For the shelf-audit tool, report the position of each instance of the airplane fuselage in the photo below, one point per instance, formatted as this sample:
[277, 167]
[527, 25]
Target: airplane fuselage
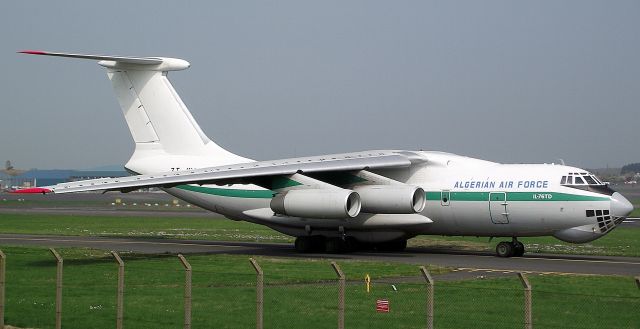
[464, 196]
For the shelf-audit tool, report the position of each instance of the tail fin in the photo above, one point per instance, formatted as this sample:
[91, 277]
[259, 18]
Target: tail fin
[160, 124]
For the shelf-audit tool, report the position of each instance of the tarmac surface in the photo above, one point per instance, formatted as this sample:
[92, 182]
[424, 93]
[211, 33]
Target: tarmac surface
[460, 260]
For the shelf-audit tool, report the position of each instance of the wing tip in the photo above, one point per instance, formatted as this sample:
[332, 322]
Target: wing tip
[32, 52]
[32, 190]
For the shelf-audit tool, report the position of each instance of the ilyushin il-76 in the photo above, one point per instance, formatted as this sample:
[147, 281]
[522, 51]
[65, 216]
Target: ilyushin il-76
[339, 202]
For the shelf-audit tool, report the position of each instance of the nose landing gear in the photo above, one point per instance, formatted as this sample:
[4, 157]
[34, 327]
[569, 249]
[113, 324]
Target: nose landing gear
[510, 249]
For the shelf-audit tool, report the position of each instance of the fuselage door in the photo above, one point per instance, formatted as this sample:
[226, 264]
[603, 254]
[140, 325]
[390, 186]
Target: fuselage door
[445, 198]
[498, 207]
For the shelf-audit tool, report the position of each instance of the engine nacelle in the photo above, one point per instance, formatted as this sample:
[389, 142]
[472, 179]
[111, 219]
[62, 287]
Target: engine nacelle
[329, 204]
[391, 199]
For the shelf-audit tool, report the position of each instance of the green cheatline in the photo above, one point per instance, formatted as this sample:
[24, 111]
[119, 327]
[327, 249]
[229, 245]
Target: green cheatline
[453, 196]
[280, 182]
[253, 194]
[516, 196]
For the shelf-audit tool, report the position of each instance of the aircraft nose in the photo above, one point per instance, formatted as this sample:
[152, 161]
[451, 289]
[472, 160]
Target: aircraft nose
[620, 206]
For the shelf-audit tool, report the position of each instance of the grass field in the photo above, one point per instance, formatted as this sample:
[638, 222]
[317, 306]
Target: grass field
[171, 227]
[636, 209]
[163, 204]
[621, 242]
[298, 294]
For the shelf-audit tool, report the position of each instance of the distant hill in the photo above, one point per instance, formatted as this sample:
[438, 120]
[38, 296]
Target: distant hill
[631, 168]
[55, 176]
[606, 172]
[66, 173]
[105, 168]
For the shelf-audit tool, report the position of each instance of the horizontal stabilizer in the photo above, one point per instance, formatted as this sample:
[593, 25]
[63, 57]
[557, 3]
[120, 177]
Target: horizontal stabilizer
[125, 62]
[121, 59]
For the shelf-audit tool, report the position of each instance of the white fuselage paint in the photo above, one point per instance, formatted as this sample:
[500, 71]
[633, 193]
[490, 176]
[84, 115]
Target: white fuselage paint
[527, 200]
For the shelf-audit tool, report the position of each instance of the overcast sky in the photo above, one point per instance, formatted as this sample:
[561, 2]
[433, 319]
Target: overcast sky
[508, 81]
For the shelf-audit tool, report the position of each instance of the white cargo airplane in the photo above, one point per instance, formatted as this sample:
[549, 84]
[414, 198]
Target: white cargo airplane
[336, 202]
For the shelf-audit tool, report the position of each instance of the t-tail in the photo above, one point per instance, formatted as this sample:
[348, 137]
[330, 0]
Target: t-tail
[164, 131]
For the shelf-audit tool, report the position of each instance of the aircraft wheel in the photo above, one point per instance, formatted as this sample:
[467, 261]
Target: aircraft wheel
[395, 245]
[399, 245]
[334, 246]
[505, 249]
[351, 244]
[518, 249]
[304, 244]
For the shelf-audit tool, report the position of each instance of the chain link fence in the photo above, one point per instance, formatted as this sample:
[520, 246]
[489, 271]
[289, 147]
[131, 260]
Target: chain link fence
[219, 291]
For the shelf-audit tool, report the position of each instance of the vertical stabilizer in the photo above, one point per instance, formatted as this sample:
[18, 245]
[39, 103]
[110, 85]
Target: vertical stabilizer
[155, 113]
[164, 131]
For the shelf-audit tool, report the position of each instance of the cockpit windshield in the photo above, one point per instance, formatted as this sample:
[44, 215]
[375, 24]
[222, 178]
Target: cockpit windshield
[580, 178]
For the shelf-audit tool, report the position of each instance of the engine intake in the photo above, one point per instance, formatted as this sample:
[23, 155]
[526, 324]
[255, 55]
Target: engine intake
[328, 204]
[391, 199]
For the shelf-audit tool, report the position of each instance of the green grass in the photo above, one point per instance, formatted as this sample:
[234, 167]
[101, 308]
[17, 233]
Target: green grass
[157, 227]
[620, 242]
[49, 203]
[636, 210]
[223, 289]
[299, 293]
[139, 205]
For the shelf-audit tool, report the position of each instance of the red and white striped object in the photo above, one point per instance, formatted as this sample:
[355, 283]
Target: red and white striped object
[382, 305]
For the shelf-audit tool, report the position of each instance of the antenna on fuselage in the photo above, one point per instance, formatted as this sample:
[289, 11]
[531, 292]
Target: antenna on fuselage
[561, 161]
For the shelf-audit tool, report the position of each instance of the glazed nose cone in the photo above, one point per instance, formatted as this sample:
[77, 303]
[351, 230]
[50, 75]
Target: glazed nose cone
[620, 206]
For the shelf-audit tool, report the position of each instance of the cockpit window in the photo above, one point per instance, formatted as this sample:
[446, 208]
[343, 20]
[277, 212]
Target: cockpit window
[590, 180]
[582, 178]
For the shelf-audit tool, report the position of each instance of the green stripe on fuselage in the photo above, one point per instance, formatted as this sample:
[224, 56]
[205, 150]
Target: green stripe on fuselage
[432, 196]
[252, 194]
[516, 196]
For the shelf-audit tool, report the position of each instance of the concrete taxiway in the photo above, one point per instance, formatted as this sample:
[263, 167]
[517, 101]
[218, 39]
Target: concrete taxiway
[467, 261]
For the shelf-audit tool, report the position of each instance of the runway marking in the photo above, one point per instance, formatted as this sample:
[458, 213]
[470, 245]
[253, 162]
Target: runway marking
[123, 242]
[562, 259]
[582, 260]
[503, 271]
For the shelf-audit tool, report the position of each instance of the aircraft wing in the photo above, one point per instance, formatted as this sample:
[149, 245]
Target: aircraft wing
[243, 173]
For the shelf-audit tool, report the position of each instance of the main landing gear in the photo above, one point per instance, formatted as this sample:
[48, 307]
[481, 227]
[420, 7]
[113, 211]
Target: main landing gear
[514, 248]
[309, 244]
[315, 243]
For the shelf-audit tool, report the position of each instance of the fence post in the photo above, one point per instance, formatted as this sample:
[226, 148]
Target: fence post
[120, 298]
[429, 279]
[58, 288]
[3, 262]
[259, 293]
[341, 283]
[528, 323]
[187, 292]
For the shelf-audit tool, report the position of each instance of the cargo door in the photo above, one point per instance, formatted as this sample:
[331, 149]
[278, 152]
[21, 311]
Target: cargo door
[498, 207]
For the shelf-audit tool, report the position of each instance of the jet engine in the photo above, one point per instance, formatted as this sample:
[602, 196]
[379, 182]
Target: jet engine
[391, 199]
[317, 203]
